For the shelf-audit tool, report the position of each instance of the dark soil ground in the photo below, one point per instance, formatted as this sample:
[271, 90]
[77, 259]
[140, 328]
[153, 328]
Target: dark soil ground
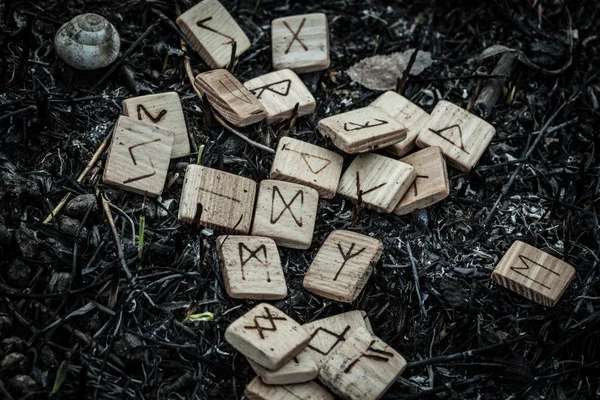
[56, 279]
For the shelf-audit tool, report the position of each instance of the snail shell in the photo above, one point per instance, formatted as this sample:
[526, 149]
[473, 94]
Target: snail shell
[87, 42]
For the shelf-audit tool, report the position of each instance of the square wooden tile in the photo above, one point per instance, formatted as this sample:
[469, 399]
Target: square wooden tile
[301, 368]
[164, 110]
[327, 334]
[279, 92]
[430, 186]
[138, 158]
[362, 130]
[533, 274]
[212, 31]
[256, 390]
[406, 113]
[362, 368]
[230, 98]
[380, 181]
[251, 268]
[343, 265]
[267, 336]
[217, 200]
[462, 136]
[307, 164]
[300, 42]
[286, 212]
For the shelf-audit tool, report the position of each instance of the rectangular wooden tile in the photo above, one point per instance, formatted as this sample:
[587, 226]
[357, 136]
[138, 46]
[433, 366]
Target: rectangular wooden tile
[256, 390]
[362, 368]
[343, 265]
[230, 98]
[251, 268]
[138, 158]
[430, 186]
[279, 92]
[462, 136]
[300, 42]
[307, 164]
[379, 181]
[301, 368]
[267, 336]
[286, 212]
[212, 31]
[164, 110]
[533, 274]
[217, 200]
[361, 130]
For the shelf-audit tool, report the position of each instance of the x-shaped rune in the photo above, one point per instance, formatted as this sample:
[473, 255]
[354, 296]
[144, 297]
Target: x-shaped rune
[269, 318]
[295, 38]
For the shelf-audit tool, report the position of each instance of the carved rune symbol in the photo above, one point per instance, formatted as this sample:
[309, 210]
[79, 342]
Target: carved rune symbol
[414, 184]
[133, 159]
[283, 89]
[314, 163]
[338, 339]
[202, 25]
[347, 256]
[373, 354]
[287, 206]
[366, 125]
[460, 144]
[219, 194]
[295, 37]
[360, 193]
[235, 91]
[141, 108]
[268, 317]
[527, 267]
[254, 255]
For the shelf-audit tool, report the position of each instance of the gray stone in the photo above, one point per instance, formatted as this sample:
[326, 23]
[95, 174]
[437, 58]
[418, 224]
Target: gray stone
[13, 363]
[60, 282]
[17, 273]
[12, 344]
[22, 384]
[71, 227]
[48, 358]
[27, 243]
[6, 326]
[79, 205]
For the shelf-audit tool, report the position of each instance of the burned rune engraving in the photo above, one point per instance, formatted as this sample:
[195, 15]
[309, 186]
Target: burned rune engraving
[236, 92]
[366, 125]
[338, 339]
[295, 37]
[347, 256]
[202, 25]
[154, 119]
[527, 267]
[254, 255]
[268, 317]
[414, 184]
[219, 194]
[460, 136]
[360, 193]
[287, 206]
[371, 353]
[133, 159]
[272, 87]
[314, 163]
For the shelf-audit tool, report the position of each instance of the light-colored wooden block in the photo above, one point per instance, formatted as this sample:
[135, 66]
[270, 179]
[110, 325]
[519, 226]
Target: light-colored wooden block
[230, 98]
[343, 266]
[301, 368]
[406, 113]
[307, 164]
[212, 31]
[251, 268]
[462, 136]
[362, 130]
[327, 334]
[256, 390]
[267, 336]
[279, 92]
[380, 182]
[300, 43]
[139, 155]
[362, 368]
[286, 212]
[431, 184]
[533, 274]
[164, 110]
[217, 200]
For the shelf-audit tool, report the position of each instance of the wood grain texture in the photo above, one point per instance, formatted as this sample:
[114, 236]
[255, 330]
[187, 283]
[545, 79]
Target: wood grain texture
[164, 110]
[462, 136]
[301, 368]
[267, 336]
[256, 390]
[431, 185]
[230, 98]
[300, 43]
[279, 92]
[224, 201]
[361, 130]
[379, 181]
[304, 163]
[212, 30]
[533, 274]
[343, 265]
[138, 157]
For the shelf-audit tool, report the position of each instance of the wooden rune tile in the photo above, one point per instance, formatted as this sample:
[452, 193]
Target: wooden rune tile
[164, 110]
[379, 181]
[362, 368]
[256, 390]
[462, 136]
[343, 265]
[251, 268]
[279, 92]
[431, 184]
[267, 336]
[138, 158]
[300, 43]
[533, 274]
[301, 368]
[327, 334]
[362, 130]
[212, 32]
[230, 98]
[406, 113]
[307, 164]
[286, 212]
[217, 200]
